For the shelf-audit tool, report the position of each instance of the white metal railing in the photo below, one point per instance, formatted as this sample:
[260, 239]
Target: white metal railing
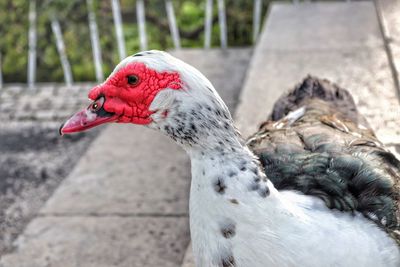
[140, 14]
[1, 74]
[118, 28]
[141, 21]
[208, 24]
[256, 19]
[172, 24]
[222, 24]
[94, 38]
[32, 45]
[55, 26]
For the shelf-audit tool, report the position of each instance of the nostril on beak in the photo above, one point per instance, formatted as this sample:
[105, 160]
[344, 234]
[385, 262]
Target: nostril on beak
[60, 129]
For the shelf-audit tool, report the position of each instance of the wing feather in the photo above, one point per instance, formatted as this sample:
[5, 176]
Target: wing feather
[330, 152]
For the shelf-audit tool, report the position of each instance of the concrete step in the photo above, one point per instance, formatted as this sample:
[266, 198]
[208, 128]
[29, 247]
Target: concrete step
[48, 102]
[125, 202]
[336, 40]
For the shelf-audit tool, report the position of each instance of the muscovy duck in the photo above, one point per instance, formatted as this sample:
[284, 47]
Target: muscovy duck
[313, 187]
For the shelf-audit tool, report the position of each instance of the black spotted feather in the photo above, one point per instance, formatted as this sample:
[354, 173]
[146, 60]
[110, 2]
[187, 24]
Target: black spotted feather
[330, 152]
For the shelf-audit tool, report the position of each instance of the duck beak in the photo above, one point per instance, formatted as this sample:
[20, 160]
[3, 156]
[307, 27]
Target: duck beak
[86, 119]
[83, 121]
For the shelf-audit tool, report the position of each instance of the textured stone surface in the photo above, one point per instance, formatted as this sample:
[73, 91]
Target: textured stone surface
[48, 102]
[131, 182]
[33, 161]
[129, 170]
[101, 242]
[322, 26]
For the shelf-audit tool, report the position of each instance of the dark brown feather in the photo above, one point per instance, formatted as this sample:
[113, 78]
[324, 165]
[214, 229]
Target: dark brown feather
[330, 152]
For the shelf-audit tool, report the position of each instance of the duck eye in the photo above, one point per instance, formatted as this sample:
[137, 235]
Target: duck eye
[96, 105]
[133, 79]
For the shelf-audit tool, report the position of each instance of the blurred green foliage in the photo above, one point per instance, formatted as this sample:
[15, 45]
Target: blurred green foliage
[73, 18]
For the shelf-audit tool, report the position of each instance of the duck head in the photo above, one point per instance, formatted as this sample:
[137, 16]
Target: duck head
[155, 89]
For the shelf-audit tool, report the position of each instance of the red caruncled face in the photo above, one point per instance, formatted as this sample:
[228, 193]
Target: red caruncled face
[124, 97]
[130, 91]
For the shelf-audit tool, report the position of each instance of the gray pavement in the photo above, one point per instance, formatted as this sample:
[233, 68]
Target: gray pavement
[125, 203]
[46, 103]
[33, 159]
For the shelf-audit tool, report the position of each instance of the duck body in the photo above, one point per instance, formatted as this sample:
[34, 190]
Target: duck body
[287, 229]
[313, 187]
[318, 217]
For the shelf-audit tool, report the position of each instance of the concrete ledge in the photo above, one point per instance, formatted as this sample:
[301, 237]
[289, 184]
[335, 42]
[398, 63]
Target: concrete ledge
[122, 174]
[321, 26]
[80, 241]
